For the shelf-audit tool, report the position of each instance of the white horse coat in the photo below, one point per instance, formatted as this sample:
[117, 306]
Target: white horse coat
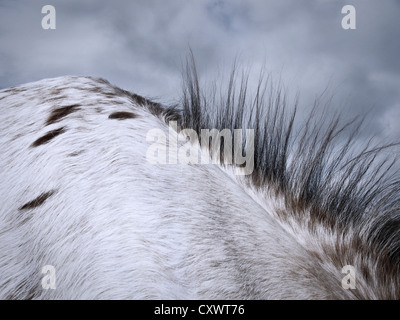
[78, 193]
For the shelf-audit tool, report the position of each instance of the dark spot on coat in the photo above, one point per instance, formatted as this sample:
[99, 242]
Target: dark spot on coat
[76, 153]
[122, 115]
[47, 137]
[59, 113]
[38, 201]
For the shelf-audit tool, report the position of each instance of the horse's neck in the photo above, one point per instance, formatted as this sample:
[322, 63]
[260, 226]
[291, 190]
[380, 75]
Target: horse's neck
[248, 248]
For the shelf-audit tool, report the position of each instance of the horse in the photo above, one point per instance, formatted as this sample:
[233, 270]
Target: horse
[103, 196]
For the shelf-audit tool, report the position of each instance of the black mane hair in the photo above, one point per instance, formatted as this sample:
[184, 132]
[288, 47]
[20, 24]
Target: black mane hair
[314, 168]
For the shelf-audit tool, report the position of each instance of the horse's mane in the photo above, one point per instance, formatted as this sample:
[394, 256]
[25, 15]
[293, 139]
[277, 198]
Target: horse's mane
[314, 166]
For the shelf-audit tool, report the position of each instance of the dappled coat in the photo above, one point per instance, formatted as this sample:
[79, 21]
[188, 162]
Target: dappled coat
[95, 205]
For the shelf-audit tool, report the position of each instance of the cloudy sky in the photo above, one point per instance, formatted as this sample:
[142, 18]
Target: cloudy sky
[141, 45]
